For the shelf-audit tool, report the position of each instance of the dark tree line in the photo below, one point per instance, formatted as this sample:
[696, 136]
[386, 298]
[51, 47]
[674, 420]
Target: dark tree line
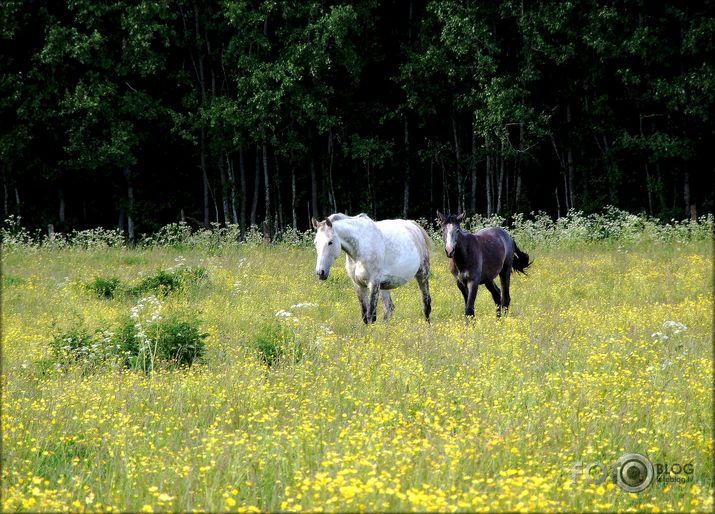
[138, 113]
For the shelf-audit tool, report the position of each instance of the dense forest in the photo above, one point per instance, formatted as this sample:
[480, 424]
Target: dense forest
[134, 114]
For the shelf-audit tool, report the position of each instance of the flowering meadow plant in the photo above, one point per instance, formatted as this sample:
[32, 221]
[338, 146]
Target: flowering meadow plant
[290, 403]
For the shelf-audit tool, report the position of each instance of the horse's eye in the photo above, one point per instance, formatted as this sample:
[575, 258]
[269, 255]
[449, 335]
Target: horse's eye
[330, 242]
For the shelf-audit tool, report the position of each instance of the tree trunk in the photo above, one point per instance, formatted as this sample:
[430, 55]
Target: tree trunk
[293, 198]
[500, 178]
[507, 206]
[130, 203]
[473, 173]
[313, 187]
[224, 191]
[569, 160]
[458, 156]
[446, 207]
[233, 192]
[370, 189]
[202, 140]
[267, 185]
[279, 196]
[212, 190]
[204, 176]
[406, 186]
[331, 194]
[431, 184]
[489, 181]
[5, 195]
[566, 193]
[517, 185]
[121, 219]
[18, 210]
[61, 213]
[558, 204]
[242, 178]
[661, 189]
[686, 193]
[256, 184]
[517, 196]
[648, 189]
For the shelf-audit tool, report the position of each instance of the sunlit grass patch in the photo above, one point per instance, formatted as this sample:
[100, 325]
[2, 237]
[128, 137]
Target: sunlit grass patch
[295, 404]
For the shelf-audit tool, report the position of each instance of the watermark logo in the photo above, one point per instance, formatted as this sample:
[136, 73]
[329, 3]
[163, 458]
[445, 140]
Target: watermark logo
[633, 472]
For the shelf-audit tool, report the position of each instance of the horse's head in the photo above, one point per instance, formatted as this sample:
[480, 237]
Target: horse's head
[450, 231]
[327, 244]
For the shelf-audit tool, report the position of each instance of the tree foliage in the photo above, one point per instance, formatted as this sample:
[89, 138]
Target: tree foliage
[229, 111]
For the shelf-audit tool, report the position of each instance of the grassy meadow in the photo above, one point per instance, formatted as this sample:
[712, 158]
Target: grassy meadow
[607, 349]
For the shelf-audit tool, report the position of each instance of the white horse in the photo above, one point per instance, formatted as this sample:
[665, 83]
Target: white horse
[381, 256]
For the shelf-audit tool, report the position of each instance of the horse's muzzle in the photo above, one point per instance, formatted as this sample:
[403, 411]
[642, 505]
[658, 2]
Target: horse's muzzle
[322, 274]
[449, 254]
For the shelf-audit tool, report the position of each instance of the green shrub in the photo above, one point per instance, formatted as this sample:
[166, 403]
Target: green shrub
[77, 344]
[142, 340]
[174, 340]
[274, 343]
[166, 281]
[103, 287]
[11, 280]
[162, 282]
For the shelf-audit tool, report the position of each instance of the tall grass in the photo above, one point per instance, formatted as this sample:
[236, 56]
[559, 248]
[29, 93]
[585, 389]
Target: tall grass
[297, 405]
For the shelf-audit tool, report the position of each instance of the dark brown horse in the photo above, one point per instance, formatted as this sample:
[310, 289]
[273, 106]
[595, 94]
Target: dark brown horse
[478, 258]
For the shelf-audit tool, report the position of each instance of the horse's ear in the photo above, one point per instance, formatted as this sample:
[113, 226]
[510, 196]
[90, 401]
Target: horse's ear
[440, 216]
[315, 223]
[461, 217]
[328, 222]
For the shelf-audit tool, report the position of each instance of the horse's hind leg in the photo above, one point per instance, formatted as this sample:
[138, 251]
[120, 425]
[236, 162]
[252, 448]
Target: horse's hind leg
[363, 298]
[496, 295]
[422, 277]
[374, 290]
[387, 305]
[472, 287]
[504, 278]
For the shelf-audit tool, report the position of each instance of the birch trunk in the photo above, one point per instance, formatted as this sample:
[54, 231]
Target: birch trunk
[279, 196]
[242, 179]
[256, 184]
[473, 173]
[293, 198]
[224, 191]
[500, 178]
[61, 213]
[458, 155]
[489, 181]
[267, 185]
[313, 187]
[130, 203]
[233, 192]
[406, 187]
[569, 160]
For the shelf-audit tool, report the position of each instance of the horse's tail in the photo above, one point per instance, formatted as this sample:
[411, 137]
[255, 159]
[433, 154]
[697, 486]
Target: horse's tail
[521, 260]
[427, 241]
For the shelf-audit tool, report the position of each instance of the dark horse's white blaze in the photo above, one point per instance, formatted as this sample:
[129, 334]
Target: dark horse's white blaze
[381, 256]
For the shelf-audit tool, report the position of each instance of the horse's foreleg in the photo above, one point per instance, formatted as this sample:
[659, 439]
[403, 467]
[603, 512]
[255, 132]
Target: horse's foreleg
[496, 295]
[472, 287]
[463, 288]
[423, 281]
[387, 306]
[374, 290]
[504, 278]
